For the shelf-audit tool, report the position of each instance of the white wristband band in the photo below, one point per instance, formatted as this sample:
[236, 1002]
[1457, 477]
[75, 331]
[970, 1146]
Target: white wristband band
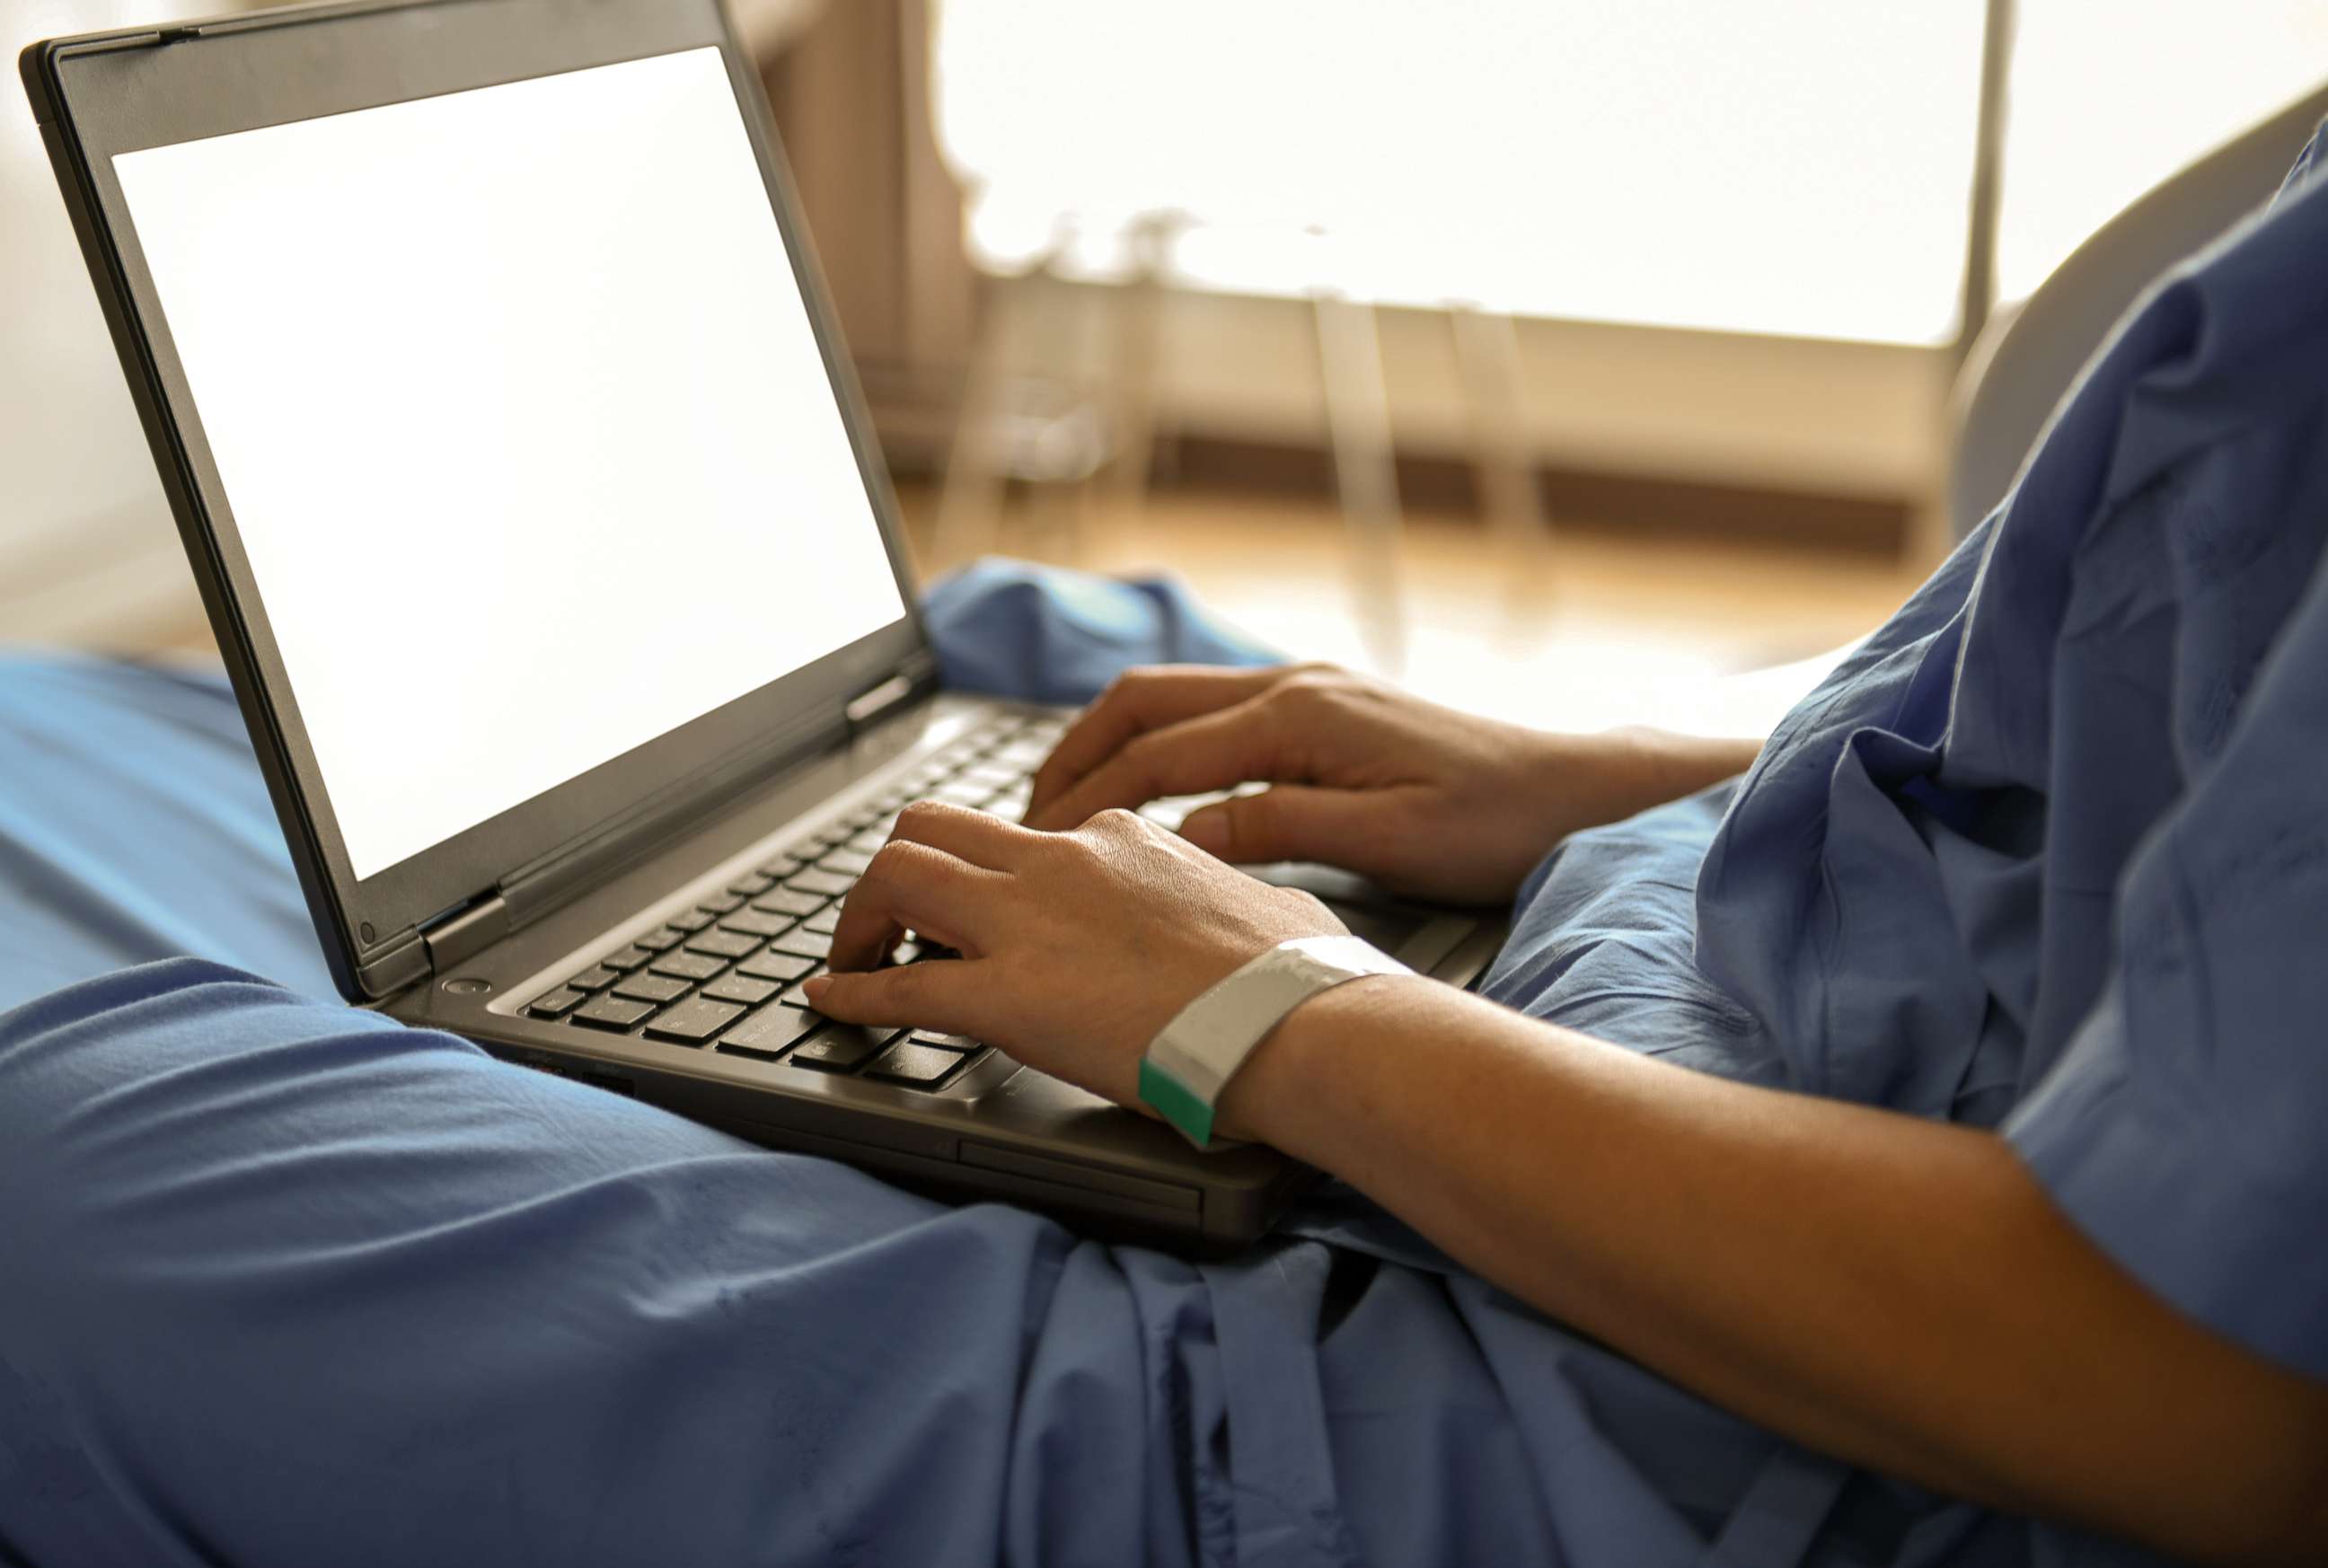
[1193, 1057]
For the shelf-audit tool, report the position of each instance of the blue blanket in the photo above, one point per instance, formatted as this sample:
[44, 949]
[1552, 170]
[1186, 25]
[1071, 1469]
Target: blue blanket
[291, 1283]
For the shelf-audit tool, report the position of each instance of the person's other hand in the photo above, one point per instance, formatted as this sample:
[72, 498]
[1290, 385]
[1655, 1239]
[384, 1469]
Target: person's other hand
[1076, 948]
[1424, 799]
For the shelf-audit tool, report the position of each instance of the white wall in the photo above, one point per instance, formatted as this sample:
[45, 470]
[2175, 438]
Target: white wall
[87, 551]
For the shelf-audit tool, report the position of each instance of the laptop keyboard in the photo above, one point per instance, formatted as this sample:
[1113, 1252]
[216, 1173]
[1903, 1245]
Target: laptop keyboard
[725, 976]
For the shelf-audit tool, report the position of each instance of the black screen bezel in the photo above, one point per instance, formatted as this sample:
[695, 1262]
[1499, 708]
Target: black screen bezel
[123, 91]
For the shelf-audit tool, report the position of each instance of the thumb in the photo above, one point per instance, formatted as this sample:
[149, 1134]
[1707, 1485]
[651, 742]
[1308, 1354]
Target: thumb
[1283, 822]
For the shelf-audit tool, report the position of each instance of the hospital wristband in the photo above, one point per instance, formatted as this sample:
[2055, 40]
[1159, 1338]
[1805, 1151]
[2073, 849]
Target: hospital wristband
[1193, 1057]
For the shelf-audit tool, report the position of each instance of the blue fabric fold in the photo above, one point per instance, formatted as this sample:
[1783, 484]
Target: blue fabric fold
[1040, 633]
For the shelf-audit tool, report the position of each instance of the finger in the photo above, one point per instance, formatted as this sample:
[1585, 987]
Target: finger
[913, 887]
[941, 994]
[1289, 822]
[979, 838]
[1138, 701]
[1215, 751]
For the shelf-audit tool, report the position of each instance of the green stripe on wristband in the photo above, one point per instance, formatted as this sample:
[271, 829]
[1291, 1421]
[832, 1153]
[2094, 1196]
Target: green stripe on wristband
[1176, 1102]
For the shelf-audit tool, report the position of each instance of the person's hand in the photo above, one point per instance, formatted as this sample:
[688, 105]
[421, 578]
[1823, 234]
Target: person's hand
[1422, 799]
[1076, 948]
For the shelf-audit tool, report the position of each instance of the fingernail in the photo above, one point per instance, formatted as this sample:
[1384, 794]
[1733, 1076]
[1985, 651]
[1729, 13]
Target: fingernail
[1206, 831]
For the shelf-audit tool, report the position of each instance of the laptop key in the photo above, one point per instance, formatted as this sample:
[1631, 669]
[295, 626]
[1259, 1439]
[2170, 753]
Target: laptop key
[757, 923]
[914, 1063]
[689, 965]
[725, 943]
[693, 1021]
[655, 987]
[741, 988]
[690, 920]
[847, 862]
[831, 884]
[778, 966]
[610, 1012]
[824, 921]
[626, 958]
[789, 901]
[769, 1033]
[720, 903]
[951, 1042]
[662, 939]
[840, 1048]
[751, 887]
[780, 867]
[807, 944]
[597, 977]
[556, 1004]
[796, 994]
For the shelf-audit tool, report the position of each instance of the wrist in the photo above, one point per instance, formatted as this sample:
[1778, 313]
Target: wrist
[1668, 765]
[1275, 1097]
[1589, 780]
[1208, 1045]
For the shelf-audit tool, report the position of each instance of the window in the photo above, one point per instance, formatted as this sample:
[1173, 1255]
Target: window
[1797, 166]
[2109, 97]
[1801, 166]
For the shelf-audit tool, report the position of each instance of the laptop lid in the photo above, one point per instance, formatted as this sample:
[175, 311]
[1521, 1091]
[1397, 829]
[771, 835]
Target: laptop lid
[513, 442]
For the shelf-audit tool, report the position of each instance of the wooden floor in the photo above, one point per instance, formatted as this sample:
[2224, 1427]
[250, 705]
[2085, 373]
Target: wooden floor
[1600, 626]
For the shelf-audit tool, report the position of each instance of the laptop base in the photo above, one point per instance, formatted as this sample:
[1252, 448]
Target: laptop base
[994, 1130]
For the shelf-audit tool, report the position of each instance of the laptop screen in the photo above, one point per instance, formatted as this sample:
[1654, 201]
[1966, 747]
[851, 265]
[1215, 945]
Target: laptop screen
[516, 386]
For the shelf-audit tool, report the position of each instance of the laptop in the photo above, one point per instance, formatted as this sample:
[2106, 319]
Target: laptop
[544, 535]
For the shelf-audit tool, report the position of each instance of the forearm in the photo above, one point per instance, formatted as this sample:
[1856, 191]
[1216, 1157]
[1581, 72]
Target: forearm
[1895, 1292]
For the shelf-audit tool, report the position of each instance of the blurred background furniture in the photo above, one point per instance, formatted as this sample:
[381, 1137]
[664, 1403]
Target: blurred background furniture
[1720, 350]
[2029, 353]
[1051, 424]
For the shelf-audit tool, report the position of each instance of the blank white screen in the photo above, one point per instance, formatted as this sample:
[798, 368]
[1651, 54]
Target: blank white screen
[527, 436]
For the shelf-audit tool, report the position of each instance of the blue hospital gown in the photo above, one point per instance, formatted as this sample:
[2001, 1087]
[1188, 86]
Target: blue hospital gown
[286, 1283]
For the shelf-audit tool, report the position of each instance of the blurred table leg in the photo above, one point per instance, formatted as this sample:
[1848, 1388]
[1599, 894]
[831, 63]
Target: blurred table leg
[1503, 454]
[1365, 473]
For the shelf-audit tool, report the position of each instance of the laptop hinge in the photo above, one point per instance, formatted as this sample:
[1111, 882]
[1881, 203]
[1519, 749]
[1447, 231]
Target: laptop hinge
[868, 706]
[395, 964]
[463, 934]
[917, 675]
[532, 890]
